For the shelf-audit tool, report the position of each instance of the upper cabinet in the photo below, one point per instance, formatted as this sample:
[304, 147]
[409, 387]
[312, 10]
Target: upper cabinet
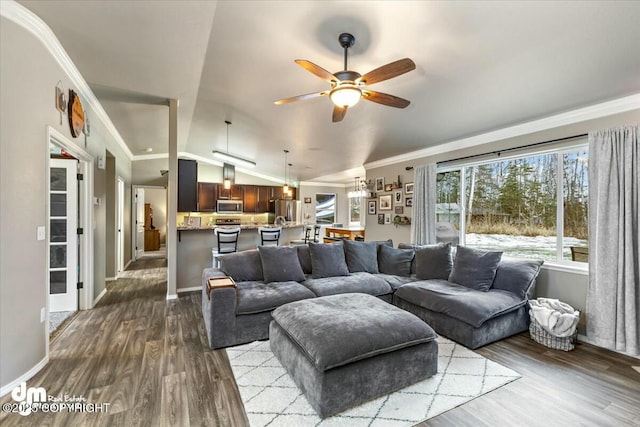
[207, 196]
[187, 185]
[234, 193]
[250, 198]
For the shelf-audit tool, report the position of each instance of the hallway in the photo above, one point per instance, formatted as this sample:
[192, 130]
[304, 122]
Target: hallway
[146, 357]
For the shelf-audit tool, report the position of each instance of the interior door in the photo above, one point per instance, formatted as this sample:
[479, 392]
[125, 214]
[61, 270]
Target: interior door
[139, 222]
[120, 243]
[63, 237]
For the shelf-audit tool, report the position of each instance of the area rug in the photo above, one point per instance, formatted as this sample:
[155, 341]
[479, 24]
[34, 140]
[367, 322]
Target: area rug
[272, 399]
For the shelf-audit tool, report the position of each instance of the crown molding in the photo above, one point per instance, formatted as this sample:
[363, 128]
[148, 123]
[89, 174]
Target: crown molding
[322, 184]
[608, 108]
[23, 17]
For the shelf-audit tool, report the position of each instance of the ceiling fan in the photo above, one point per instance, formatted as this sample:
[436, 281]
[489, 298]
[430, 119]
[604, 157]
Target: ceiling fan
[347, 87]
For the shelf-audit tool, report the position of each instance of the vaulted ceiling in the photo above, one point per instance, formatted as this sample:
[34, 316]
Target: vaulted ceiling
[481, 66]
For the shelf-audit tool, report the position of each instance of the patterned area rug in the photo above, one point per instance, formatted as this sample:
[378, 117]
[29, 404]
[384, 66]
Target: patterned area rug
[271, 398]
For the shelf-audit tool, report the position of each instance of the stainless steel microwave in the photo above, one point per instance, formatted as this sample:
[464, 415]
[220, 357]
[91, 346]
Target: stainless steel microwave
[229, 206]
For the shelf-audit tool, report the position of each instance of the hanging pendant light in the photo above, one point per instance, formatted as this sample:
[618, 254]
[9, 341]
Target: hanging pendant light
[226, 167]
[285, 187]
[289, 189]
[231, 158]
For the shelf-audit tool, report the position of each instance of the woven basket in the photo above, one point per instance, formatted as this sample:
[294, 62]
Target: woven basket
[539, 335]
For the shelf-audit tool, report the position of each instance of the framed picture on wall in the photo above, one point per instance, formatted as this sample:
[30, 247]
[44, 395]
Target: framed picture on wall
[408, 188]
[380, 184]
[388, 187]
[398, 209]
[408, 202]
[397, 197]
[371, 207]
[307, 199]
[384, 203]
[381, 219]
[387, 218]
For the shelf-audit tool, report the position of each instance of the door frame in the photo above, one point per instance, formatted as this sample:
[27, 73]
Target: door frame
[121, 190]
[134, 212]
[85, 218]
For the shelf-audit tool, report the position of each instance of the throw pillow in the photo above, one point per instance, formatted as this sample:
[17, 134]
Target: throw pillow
[517, 275]
[410, 246]
[305, 258]
[433, 261]
[395, 261]
[327, 260]
[280, 264]
[243, 266]
[361, 256]
[474, 268]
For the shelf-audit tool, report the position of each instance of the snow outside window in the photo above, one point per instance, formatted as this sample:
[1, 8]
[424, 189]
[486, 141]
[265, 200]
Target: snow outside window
[530, 207]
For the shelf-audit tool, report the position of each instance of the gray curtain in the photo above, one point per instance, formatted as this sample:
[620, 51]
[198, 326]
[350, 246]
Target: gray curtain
[423, 224]
[613, 298]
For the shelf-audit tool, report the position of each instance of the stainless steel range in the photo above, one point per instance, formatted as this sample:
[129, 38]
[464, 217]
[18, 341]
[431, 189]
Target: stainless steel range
[228, 221]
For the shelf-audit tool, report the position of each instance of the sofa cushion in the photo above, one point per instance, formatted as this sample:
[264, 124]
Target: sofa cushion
[410, 246]
[433, 261]
[327, 260]
[365, 283]
[361, 256]
[280, 264]
[460, 302]
[396, 281]
[242, 266]
[474, 268]
[341, 329]
[258, 297]
[304, 256]
[395, 261]
[516, 275]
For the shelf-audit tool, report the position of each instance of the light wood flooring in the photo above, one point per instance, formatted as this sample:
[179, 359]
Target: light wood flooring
[149, 359]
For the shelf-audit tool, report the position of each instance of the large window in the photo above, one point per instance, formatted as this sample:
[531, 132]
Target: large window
[354, 210]
[532, 207]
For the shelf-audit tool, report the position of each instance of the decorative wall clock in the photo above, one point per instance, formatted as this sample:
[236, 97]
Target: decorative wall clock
[76, 114]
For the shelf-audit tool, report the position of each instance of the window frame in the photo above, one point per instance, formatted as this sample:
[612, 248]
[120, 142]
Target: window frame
[559, 263]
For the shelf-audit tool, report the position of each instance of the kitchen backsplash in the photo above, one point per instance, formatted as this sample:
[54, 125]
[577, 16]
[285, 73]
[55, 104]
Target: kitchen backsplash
[209, 219]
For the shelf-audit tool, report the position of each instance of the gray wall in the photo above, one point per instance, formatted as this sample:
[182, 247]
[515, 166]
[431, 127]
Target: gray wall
[342, 202]
[27, 80]
[552, 283]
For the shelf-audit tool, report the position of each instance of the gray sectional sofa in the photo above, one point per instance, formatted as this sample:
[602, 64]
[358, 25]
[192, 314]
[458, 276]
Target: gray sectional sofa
[475, 299]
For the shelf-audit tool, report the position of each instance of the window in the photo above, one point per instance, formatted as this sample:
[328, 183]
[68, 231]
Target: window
[325, 208]
[519, 206]
[354, 210]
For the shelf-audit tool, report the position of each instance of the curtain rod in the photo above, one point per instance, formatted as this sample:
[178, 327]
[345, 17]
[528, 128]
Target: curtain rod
[498, 152]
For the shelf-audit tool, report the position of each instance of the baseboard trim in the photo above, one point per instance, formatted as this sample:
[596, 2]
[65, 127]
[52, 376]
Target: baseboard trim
[25, 377]
[127, 265]
[584, 339]
[172, 296]
[192, 289]
[110, 279]
[99, 297]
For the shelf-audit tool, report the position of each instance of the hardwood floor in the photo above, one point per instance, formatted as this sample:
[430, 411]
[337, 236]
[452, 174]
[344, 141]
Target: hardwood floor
[149, 359]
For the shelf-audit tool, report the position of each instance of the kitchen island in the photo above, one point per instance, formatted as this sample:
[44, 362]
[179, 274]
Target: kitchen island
[195, 245]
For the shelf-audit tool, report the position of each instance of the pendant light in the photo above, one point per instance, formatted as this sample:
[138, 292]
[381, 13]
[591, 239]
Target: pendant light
[231, 158]
[227, 180]
[290, 190]
[285, 187]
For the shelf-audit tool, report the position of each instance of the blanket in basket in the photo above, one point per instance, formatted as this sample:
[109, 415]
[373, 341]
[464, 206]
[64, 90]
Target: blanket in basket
[555, 317]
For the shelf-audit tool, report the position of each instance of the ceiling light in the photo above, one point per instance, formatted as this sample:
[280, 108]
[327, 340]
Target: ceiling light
[230, 157]
[345, 95]
[289, 190]
[359, 189]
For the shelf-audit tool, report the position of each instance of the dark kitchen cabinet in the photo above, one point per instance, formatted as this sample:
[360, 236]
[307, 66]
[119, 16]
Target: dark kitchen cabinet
[207, 196]
[250, 198]
[235, 193]
[264, 197]
[187, 185]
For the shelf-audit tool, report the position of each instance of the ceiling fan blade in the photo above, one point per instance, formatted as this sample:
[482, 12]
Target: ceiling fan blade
[385, 99]
[388, 71]
[338, 113]
[301, 97]
[316, 69]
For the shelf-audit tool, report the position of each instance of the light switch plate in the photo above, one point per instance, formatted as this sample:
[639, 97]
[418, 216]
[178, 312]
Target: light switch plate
[42, 315]
[41, 232]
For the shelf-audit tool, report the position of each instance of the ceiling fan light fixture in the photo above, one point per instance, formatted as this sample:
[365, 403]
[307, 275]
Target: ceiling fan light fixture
[345, 95]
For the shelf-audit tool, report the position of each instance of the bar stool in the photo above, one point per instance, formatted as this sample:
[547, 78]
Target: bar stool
[269, 235]
[227, 243]
[306, 236]
[316, 233]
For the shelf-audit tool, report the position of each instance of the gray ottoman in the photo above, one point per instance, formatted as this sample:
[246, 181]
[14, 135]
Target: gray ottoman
[344, 350]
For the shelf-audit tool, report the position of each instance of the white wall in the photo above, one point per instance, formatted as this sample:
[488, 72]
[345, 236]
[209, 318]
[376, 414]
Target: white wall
[28, 76]
[310, 190]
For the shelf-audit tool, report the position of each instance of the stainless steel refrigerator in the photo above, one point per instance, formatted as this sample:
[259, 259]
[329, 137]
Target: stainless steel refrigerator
[286, 209]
